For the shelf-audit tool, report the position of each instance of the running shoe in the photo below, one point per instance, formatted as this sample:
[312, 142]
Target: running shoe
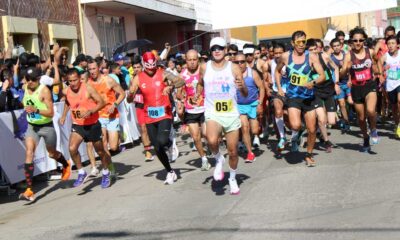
[233, 187]
[171, 178]
[366, 147]
[374, 137]
[218, 171]
[328, 146]
[81, 179]
[281, 144]
[106, 180]
[250, 157]
[66, 172]
[94, 172]
[27, 195]
[148, 156]
[346, 127]
[256, 142]
[192, 146]
[205, 166]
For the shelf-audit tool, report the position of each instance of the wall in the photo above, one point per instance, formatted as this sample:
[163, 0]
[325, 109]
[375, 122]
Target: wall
[159, 33]
[345, 22]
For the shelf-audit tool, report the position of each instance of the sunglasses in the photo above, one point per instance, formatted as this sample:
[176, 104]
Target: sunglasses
[358, 40]
[300, 42]
[31, 80]
[248, 54]
[239, 62]
[232, 54]
[217, 48]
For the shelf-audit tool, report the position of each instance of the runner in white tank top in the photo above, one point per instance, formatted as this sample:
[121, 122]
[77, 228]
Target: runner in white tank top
[220, 80]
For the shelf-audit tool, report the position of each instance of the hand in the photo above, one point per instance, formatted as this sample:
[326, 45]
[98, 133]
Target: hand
[259, 110]
[268, 92]
[309, 85]
[167, 90]
[30, 109]
[337, 89]
[239, 84]
[111, 109]
[167, 46]
[61, 121]
[381, 79]
[86, 113]
[349, 84]
[6, 83]
[280, 92]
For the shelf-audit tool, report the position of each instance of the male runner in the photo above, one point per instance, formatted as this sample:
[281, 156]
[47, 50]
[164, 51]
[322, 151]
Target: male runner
[220, 80]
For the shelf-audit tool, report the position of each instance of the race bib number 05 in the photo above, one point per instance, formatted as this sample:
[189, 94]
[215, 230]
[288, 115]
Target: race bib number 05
[298, 80]
[156, 112]
[223, 105]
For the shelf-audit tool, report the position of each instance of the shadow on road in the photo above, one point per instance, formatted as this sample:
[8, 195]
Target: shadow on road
[219, 187]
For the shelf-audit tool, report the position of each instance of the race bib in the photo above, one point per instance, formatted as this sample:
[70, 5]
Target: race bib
[363, 75]
[76, 113]
[223, 105]
[156, 112]
[393, 74]
[298, 80]
[34, 116]
[138, 98]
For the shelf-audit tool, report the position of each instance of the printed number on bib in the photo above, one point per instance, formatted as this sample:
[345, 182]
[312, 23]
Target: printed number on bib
[76, 114]
[393, 74]
[363, 75]
[156, 112]
[298, 80]
[223, 105]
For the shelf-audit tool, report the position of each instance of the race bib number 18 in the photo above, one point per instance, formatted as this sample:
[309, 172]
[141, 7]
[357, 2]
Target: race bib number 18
[298, 80]
[156, 112]
[223, 105]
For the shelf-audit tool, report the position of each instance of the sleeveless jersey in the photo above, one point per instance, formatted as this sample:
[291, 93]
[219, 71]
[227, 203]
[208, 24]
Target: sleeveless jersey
[251, 87]
[190, 89]
[157, 106]
[260, 74]
[284, 79]
[327, 87]
[361, 69]
[299, 75]
[339, 63]
[220, 91]
[79, 102]
[392, 71]
[34, 100]
[108, 95]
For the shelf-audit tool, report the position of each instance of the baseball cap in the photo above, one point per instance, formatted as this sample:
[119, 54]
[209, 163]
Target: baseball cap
[218, 41]
[33, 73]
[118, 57]
[248, 50]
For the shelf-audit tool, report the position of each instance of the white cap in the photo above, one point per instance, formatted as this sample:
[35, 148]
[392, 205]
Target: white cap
[248, 50]
[219, 41]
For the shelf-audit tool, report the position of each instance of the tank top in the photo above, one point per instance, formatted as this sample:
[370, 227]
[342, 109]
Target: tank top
[299, 75]
[157, 106]
[251, 87]
[220, 91]
[284, 79]
[339, 63]
[34, 100]
[327, 87]
[191, 81]
[79, 102]
[392, 71]
[108, 95]
[361, 69]
[260, 74]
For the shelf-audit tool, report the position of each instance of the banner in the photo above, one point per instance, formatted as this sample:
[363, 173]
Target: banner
[256, 12]
[12, 148]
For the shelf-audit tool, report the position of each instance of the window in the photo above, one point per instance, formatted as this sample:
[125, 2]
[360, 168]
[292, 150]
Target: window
[111, 33]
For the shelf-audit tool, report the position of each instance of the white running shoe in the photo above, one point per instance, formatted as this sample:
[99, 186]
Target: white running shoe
[256, 142]
[218, 171]
[233, 187]
[94, 172]
[171, 178]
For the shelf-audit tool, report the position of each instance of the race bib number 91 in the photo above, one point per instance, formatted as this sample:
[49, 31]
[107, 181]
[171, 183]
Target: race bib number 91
[298, 80]
[156, 112]
[223, 105]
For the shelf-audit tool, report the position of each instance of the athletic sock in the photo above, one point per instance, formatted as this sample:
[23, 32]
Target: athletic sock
[105, 171]
[29, 174]
[294, 134]
[204, 159]
[232, 173]
[281, 126]
[62, 161]
[81, 171]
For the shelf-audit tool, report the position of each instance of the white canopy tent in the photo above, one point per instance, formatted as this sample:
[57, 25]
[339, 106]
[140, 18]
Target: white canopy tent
[231, 14]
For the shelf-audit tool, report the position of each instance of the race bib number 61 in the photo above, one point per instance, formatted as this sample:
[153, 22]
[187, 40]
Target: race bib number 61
[223, 105]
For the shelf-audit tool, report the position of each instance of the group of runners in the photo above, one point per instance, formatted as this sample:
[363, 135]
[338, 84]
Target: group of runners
[230, 99]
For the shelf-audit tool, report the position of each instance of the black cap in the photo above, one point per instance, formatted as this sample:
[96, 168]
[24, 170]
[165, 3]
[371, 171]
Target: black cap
[33, 73]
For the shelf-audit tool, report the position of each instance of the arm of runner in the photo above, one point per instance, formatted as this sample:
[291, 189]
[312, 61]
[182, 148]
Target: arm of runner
[261, 90]
[346, 66]
[278, 75]
[175, 80]
[267, 78]
[132, 89]
[97, 98]
[66, 108]
[48, 101]
[333, 65]
[316, 64]
[378, 47]
[117, 89]
[200, 83]
[239, 80]
[381, 62]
